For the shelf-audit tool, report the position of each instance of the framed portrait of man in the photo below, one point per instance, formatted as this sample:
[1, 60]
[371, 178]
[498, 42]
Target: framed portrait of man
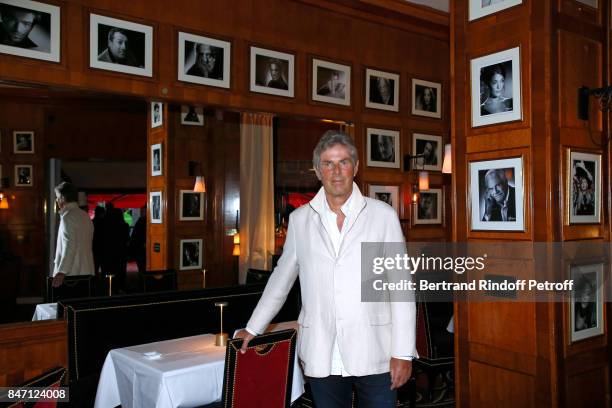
[120, 46]
[385, 193]
[204, 60]
[426, 98]
[156, 160]
[272, 72]
[482, 8]
[383, 148]
[191, 206]
[428, 209]
[586, 313]
[382, 90]
[428, 148]
[496, 88]
[192, 115]
[157, 114]
[584, 187]
[155, 206]
[497, 195]
[24, 175]
[30, 29]
[191, 254]
[23, 142]
[331, 82]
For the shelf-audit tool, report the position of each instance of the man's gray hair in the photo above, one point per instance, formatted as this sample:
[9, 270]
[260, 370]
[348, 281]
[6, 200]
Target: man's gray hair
[68, 191]
[330, 139]
[496, 172]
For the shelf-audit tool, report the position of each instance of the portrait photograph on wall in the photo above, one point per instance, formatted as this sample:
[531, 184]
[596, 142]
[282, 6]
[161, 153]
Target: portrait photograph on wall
[428, 209]
[30, 29]
[584, 188]
[382, 90]
[331, 82]
[191, 254]
[586, 301]
[156, 160]
[497, 195]
[24, 175]
[496, 88]
[23, 142]
[204, 60]
[387, 194]
[481, 8]
[428, 148]
[155, 206]
[272, 72]
[191, 205]
[426, 98]
[121, 46]
[192, 115]
[157, 114]
[383, 148]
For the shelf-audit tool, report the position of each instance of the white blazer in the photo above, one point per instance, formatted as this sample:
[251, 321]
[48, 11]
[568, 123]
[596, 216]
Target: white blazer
[73, 253]
[368, 334]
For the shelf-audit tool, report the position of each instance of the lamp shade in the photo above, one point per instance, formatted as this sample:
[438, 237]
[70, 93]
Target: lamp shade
[447, 164]
[200, 185]
[4, 205]
[423, 181]
[237, 238]
[236, 250]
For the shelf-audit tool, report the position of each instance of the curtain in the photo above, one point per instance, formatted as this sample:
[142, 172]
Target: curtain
[256, 193]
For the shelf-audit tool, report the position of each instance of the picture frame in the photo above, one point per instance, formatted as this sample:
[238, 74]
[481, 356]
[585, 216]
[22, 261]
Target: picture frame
[386, 193]
[43, 38]
[383, 148]
[23, 142]
[191, 205]
[584, 187]
[157, 114]
[586, 315]
[272, 72]
[430, 147]
[426, 98]
[331, 82]
[157, 160]
[113, 54]
[497, 195]
[382, 90]
[204, 60]
[24, 175]
[482, 8]
[190, 254]
[496, 88]
[192, 115]
[591, 3]
[156, 207]
[428, 209]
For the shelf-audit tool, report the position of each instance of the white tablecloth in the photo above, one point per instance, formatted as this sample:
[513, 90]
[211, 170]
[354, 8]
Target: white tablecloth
[45, 311]
[189, 373]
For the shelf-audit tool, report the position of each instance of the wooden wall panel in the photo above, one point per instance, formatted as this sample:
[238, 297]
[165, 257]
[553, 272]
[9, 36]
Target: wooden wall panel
[580, 388]
[495, 386]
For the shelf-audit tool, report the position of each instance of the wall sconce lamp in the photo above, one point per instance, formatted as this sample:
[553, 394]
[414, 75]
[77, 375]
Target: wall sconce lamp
[447, 164]
[4, 204]
[200, 184]
[236, 250]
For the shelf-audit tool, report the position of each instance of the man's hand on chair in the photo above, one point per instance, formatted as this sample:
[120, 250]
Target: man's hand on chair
[247, 338]
[58, 280]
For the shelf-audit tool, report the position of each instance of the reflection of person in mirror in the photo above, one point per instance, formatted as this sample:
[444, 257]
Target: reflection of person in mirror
[494, 78]
[383, 148]
[117, 51]
[16, 24]
[334, 87]
[208, 63]
[584, 305]
[499, 197]
[275, 72]
[584, 196]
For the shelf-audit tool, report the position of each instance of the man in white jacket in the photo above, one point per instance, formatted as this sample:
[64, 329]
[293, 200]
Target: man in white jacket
[73, 253]
[342, 340]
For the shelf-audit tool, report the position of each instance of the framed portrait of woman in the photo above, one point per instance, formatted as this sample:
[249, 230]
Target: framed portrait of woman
[586, 301]
[496, 88]
[583, 182]
[429, 207]
[426, 98]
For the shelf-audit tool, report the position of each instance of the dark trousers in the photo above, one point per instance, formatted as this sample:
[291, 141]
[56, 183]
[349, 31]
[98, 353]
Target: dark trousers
[335, 391]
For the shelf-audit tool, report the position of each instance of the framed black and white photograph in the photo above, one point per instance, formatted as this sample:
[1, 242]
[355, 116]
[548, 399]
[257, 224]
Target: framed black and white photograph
[383, 148]
[24, 175]
[155, 206]
[426, 98]
[121, 46]
[586, 301]
[204, 60]
[584, 188]
[191, 206]
[192, 115]
[481, 8]
[497, 195]
[496, 88]
[156, 160]
[23, 142]
[191, 254]
[387, 194]
[272, 72]
[30, 29]
[157, 114]
[590, 3]
[429, 150]
[382, 90]
[428, 209]
[331, 82]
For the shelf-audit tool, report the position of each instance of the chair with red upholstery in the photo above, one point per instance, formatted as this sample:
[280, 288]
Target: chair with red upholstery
[52, 379]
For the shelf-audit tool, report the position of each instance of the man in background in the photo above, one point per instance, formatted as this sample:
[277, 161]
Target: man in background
[16, 24]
